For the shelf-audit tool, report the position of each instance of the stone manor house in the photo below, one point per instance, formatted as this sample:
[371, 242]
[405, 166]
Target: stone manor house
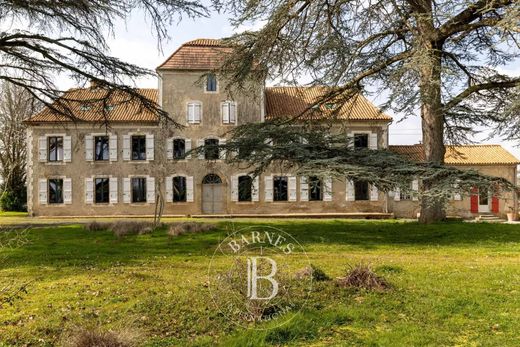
[81, 169]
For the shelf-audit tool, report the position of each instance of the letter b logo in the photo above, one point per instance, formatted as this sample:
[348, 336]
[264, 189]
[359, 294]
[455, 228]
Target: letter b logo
[253, 278]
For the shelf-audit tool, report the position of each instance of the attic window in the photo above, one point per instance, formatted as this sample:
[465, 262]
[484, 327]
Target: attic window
[211, 83]
[109, 108]
[85, 107]
[330, 106]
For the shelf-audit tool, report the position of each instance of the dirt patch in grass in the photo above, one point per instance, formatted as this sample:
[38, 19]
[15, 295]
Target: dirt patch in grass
[362, 277]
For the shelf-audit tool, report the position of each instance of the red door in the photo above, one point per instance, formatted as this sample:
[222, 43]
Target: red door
[474, 200]
[495, 205]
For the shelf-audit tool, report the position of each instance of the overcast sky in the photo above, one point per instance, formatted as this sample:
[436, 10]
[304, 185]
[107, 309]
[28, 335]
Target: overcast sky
[135, 43]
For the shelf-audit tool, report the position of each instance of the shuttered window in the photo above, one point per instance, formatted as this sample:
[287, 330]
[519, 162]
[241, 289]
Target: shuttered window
[194, 112]
[179, 149]
[138, 147]
[229, 112]
[102, 190]
[55, 148]
[179, 189]
[101, 146]
[56, 191]
[280, 188]
[211, 150]
[315, 189]
[361, 190]
[245, 188]
[138, 189]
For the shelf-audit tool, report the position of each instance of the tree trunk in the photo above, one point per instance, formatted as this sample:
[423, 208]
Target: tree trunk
[430, 64]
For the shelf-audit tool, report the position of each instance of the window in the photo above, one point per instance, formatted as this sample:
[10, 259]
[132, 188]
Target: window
[194, 112]
[211, 83]
[211, 151]
[139, 147]
[360, 140]
[179, 149]
[55, 191]
[179, 189]
[361, 190]
[245, 187]
[101, 148]
[280, 188]
[138, 189]
[55, 145]
[229, 112]
[102, 190]
[315, 189]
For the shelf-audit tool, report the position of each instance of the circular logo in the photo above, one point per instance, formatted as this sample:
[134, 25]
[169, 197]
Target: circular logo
[255, 275]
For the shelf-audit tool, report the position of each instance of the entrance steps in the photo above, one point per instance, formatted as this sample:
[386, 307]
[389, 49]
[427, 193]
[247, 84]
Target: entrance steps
[489, 218]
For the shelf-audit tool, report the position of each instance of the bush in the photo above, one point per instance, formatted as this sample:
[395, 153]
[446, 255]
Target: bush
[177, 229]
[362, 276]
[125, 228]
[14, 200]
[97, 338]
[313, 271]
[97, 226]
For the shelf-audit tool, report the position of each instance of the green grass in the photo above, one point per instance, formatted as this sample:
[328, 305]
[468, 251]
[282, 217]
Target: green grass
[454, 284]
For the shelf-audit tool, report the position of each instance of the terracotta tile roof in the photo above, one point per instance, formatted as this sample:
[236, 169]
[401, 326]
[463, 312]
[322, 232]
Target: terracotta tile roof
[464, 155]
[200, 54]
[293, 101]
[86, 105]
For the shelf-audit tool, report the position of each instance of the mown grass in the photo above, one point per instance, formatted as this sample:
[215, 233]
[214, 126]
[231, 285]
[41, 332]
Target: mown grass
[453, 284]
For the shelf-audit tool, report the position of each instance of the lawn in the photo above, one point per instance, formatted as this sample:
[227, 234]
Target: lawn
[453, 284]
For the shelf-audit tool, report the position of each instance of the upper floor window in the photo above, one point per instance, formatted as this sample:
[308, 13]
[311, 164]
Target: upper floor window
[211, 83]
[179, 148]
[55, 148]
[194, 112]
[56, 191]
[138, 147]
[229, 112]
[138, 189]
[102, 190]
[360, 140]
[361, 190]
[315, 189]
[101, 148]
[280, 189]
[211, 150]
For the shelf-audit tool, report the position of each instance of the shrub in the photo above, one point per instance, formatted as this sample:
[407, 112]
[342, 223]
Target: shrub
[97, 226]
[125, 228]
[314, 272]
[14, 200]
[96, 338]
[362, 276]
[177, 229]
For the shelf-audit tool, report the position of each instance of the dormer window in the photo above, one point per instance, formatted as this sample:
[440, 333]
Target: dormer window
[84, 107]
[211, 83]
[109, 108]
[229, 112]
[194, 112]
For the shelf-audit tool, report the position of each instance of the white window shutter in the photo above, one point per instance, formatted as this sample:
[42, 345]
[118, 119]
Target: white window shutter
[187, 147]
[200, 144]
[67, 148]
[190, 113]
[457, 196]
[304, 189]
[67, 191]
[350, 140]
[189, 189]
[415, 188]
[372, 141]
[233, 113]
[256, 189]
[113, 184]
[126, 147]
[42, 151]
[150, 147]
[89, 190]
[292, 188]
[234, 188]
[89, 147]
[374, 193]
[222, 151]
[169, 148]
[169, 189]
[150, 190]
[127, 198]
[351, 192]
[327, 192]
[268, 180]
[112, 146]
[43, 185]
[198, 113]
[225, 112]
[397, 195]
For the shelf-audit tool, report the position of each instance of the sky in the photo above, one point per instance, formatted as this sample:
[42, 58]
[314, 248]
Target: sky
[135, 43]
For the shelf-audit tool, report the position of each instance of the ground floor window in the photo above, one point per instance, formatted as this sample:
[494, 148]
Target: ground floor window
[245, 187]
[280, 188]
[179, 189]
[138, 189]
[102, 190]
[361, 190]
[315, 189]
[56, 191]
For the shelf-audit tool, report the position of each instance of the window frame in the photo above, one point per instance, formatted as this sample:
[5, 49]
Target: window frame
[176, 193]
[175, 157]
[364, 135]
[132, 147]
[319, 196]
[249, 195]
[143, 186]
[107, 137]
[217, 150]
[49, 151]
[230, 104]
[358, 198]
[206, 90]
[103, 192]
[59, 189]
[193, 104]
[277, 194]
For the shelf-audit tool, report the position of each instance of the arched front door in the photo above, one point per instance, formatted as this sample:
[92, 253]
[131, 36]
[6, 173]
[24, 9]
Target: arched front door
[212, 194]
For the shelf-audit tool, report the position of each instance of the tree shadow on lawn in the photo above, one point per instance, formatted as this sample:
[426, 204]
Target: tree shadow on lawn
[73, 246]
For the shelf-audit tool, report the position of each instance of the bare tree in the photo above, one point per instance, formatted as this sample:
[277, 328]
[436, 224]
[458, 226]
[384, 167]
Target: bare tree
[439, 58]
